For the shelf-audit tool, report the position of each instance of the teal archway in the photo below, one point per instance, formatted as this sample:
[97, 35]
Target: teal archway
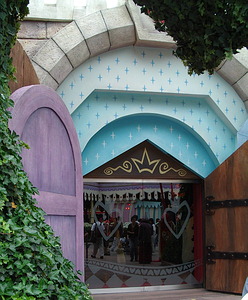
[170, 135]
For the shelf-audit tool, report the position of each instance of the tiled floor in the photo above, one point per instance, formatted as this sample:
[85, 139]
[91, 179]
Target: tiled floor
[109, 272]
[187, 294]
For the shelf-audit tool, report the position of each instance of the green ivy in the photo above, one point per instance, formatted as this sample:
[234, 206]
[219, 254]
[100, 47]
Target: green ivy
[206, 32]
[31, 262]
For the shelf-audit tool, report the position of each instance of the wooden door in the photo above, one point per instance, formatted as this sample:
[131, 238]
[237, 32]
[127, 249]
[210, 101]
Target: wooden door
[25, 73]
[226, 224]
[53, 163]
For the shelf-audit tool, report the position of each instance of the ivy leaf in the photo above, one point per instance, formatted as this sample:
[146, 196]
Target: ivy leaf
[32, 265]
[206, 32]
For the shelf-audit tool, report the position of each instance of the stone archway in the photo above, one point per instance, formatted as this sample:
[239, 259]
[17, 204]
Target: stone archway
[114, 28]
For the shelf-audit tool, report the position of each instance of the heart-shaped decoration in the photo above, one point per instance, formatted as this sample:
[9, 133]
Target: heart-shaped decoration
[177, 211]
[110, 210]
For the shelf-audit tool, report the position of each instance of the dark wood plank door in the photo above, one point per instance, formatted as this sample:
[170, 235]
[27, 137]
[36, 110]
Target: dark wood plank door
[226, 223]
[25, 73]
[53, 163]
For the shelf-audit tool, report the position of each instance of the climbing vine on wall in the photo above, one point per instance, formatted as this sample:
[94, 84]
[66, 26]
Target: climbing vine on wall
[206, 32]
[31, 262]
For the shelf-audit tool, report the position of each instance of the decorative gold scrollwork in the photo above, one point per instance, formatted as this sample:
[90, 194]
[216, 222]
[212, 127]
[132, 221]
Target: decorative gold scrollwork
[126, 166]
[144, 165]
[164, 168]
[181, 172]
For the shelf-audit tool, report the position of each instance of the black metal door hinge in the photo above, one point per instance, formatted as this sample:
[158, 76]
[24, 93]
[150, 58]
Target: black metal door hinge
[213, 255]
[212, 205]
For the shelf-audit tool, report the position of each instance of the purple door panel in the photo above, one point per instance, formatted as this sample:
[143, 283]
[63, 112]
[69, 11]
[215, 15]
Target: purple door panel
[53, 163]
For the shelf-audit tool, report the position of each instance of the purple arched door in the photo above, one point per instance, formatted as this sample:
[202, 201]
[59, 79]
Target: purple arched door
[53, 163]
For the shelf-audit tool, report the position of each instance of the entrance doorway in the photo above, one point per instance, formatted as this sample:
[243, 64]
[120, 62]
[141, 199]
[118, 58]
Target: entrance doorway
[166, 247]
[147, 209]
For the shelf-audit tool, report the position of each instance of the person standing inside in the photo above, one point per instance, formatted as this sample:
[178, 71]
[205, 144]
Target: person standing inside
[96, 230]
[132, 232]
[118, 233]
[151, 221]
[157, 225]
[145, 242]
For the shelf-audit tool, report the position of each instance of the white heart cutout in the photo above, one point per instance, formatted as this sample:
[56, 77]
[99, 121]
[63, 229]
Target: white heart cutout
[110, 211]
[175, 210]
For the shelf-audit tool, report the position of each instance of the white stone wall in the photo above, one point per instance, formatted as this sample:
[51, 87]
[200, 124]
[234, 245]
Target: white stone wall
[67, 10]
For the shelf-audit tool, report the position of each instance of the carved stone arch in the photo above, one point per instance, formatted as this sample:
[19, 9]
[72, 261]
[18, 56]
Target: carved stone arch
[82, 39]
[110, 29]
[53, 163]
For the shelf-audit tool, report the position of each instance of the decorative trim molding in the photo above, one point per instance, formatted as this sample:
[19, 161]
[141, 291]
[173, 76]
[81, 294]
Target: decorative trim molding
[145, 165]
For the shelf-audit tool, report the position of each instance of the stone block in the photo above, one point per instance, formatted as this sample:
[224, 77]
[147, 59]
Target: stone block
[232, 70]
[242, 56]
[241, 87]
[79, 54]
[53, 60]
[49, 55]
[61, 70]
[220, 65]
[146, 34]
[44, 77]
[246, 104]
[91, 25]
[31, 46]
[98, 44]
[71, 41]
[68, 37]
[32, 30]
[54, 27]
[95, 33]
[120, 27]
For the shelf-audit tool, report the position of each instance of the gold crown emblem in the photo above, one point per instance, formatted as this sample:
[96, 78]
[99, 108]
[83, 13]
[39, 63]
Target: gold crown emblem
[145, 164]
